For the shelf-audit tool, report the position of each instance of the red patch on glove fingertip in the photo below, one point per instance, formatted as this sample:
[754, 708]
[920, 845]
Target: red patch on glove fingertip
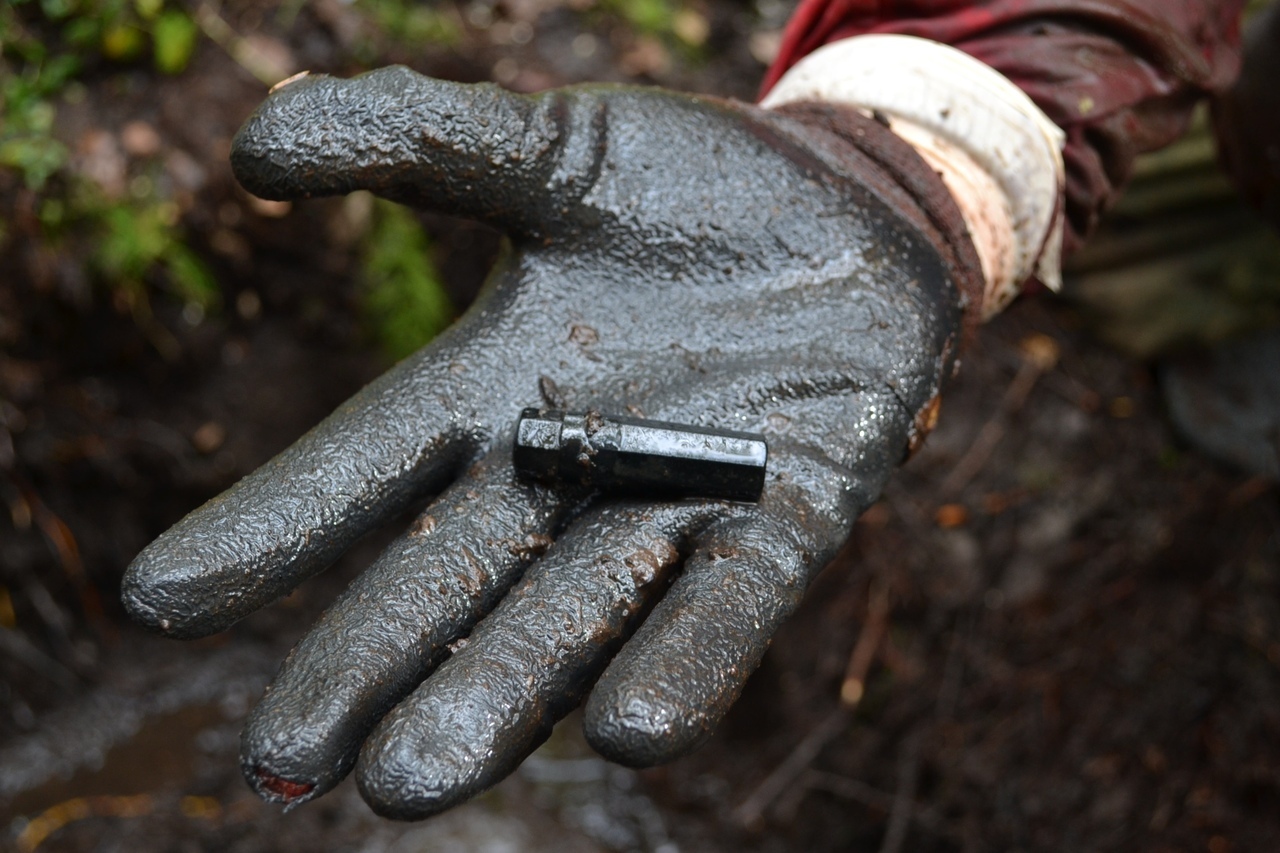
[283, 788]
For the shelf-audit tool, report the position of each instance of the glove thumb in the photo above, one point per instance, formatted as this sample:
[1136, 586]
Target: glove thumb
[472, 150]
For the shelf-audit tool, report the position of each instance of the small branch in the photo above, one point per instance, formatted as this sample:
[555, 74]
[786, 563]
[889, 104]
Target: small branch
[854, 684]
[953, 670]
[904, 800]
[62, 542]
[21, 649]
[249, 56]
[1039, 356]
[860, 792]
[751, 812]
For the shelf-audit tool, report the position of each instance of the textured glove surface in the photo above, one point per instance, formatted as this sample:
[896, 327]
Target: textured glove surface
[670, 257]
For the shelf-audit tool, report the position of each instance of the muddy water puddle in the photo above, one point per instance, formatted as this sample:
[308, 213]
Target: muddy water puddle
[149, 762]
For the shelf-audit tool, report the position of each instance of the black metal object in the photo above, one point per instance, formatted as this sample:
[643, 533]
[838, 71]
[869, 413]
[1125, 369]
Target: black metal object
[640, 456]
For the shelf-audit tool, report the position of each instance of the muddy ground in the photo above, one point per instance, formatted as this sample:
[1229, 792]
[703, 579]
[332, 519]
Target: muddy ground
[1065, 623]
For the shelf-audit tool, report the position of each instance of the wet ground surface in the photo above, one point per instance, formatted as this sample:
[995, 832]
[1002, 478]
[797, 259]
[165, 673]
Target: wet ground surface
[1061, 626]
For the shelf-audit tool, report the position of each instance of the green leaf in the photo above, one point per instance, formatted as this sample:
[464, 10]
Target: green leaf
[650, 16]
[175, 35]
[409, 23]
[122, 42]
[148, 9]
[83, 32]
[56, 10]
[133, 239]
[57, 72]
[38, 117]
[37, 158]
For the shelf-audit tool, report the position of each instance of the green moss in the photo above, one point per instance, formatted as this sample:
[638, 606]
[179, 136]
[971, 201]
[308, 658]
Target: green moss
[406, 24]
[140, 242]
[175, 36]
[655, 17]
[137, 243]
[403, 299]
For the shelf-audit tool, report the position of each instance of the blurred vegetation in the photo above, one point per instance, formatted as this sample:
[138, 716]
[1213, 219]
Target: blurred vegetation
[403, 299]
[656, 17]
[407, 23]
[682, 25]
[134, 243]
[55, 53]
[134, 239]
[1180, 260]
[46, 46]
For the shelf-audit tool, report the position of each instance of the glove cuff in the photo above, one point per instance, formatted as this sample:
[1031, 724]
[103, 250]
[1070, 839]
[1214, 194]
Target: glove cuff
[997, 152]
[875, 157]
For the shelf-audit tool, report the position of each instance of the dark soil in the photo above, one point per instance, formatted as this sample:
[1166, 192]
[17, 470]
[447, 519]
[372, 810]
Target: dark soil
[1080, 630]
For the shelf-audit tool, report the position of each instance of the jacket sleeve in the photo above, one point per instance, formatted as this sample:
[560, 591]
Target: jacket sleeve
[1120, 77]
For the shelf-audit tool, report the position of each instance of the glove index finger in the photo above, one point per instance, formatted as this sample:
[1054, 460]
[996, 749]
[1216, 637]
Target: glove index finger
[394, 441]
[474, 150]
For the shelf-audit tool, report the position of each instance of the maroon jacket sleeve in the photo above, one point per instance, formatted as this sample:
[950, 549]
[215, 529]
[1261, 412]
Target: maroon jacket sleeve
[1119, 77]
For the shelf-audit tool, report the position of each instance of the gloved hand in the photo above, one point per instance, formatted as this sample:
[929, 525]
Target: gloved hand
[796, 272]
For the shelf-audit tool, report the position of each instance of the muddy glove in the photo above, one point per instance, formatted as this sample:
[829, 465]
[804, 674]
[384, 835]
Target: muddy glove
[797, 273]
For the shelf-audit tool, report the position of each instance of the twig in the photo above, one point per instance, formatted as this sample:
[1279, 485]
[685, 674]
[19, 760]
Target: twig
[76, 809]
[860, 792]
[953, 669]
[1252, 489]
[904, 800]
[854, 684]
[849, 789]
[1039, 356]
[240, 49]
[751, 811]
[18, 647]
[67, 550]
